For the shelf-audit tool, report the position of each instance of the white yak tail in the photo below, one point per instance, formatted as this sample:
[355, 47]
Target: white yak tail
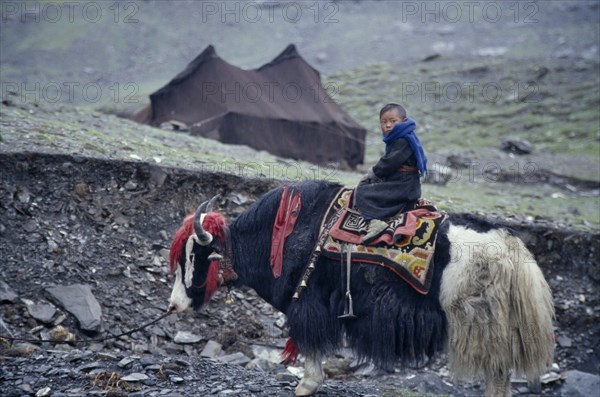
[498, 306]
[531, 313]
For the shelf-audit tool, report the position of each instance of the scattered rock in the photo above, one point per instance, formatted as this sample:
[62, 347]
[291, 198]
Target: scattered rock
[286, 377]
[269, 353]
[516, 146]
[30, 226]
[235, 358]
[99, 251]
[211, 350]
[6, 293]
[459, 161]
[174, 125]
[541, 72]
[23, 195]
[78, 300]
[42, 312]
[580, 384]
[185, 337]
[43, 392]
[158, 176]
[19, 349]
[135, 377]
[81, 190]
[126, 362]
[238, 198]
[564, 341]
[431, 57]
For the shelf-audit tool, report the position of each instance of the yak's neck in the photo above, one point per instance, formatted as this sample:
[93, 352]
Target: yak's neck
[251, 236]
[250, 259]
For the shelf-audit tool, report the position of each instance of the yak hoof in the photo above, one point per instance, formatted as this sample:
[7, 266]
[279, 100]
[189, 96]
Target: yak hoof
[307, 387]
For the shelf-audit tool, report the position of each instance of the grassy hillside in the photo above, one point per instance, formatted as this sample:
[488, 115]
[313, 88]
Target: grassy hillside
[532, 75]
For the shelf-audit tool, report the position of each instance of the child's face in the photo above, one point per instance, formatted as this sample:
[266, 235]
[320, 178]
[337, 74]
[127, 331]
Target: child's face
[389, 119]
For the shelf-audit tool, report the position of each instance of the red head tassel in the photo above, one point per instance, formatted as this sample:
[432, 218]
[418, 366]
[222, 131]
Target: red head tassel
[179, 241]
[214, 223]
[212, 280]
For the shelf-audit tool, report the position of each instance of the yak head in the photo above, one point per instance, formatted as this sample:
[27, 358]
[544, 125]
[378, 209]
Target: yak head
[196, 252]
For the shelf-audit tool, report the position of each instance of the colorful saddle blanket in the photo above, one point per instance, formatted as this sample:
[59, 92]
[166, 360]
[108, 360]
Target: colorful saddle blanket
[406, 247]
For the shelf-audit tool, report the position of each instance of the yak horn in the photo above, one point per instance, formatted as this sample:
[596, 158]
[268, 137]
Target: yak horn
[202, 207]
[204, 238]
[211, 203]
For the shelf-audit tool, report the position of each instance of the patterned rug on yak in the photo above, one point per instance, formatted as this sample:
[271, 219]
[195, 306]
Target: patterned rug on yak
[406, 247]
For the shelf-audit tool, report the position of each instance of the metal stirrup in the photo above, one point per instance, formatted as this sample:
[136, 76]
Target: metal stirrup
[348, 308]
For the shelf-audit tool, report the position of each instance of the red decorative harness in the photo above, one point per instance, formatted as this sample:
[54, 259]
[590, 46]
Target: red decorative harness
[285, 220]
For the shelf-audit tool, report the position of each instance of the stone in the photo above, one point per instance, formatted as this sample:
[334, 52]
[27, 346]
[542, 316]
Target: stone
[135, 377]
[126, 362]
[185, 337]
[235, 358]
[517, 146]
[89, 367]
[459, 161]
[30, 226]
[181, 362]
[22, 349]
[78, 300]
[23, 194]
[211, 350]
[158, 176]
[262, 365]
[238, 198]
[564, 341]
[42, 312]
[174, 125]
[6, 293]
[580, 384]
[431, 57]
[107, 356]
[268, 353]
[286, 377]
[43, 392]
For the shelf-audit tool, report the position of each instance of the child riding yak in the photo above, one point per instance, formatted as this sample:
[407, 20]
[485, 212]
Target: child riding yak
[394, 182]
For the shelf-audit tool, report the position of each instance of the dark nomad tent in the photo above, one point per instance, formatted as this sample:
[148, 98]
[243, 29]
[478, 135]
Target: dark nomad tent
[280, 107]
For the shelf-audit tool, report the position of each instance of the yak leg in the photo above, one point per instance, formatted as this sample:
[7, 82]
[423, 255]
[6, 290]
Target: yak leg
[313, 376]
[498, 386]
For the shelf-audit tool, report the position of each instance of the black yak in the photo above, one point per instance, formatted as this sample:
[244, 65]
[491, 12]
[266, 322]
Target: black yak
[488, 305]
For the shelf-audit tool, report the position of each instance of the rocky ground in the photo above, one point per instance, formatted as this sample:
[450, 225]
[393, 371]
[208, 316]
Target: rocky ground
[68, 221]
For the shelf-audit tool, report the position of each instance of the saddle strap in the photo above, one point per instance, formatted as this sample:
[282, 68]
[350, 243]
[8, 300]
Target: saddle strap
[326, 225]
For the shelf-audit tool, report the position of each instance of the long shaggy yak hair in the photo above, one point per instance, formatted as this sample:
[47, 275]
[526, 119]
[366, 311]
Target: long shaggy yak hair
[491, 307]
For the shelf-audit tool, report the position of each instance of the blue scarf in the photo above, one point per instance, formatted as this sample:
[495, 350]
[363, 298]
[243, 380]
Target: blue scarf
[406, 130]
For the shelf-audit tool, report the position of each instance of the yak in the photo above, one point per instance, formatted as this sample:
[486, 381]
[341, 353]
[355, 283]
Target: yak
[488, 306]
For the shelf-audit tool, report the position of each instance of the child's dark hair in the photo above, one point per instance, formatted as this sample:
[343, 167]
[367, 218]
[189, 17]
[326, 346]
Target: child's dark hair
[393, 106]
